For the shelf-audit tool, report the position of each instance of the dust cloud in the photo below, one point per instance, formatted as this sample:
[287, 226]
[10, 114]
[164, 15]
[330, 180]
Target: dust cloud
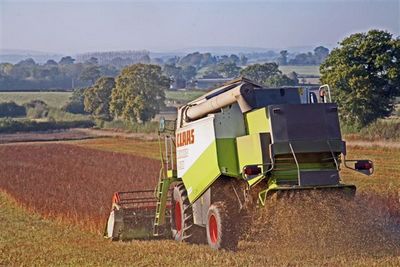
[320, 224]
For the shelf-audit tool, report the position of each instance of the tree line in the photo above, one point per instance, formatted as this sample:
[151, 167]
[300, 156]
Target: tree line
[118, 59]
[316, 57]
[67, 74]
[363, 72]
[137, 94]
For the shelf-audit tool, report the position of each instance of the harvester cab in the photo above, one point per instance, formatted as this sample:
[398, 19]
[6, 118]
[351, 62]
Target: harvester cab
[235, 147]
[314, 94]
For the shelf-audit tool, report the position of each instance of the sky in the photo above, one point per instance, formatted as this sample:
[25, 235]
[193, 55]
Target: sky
[81, 26]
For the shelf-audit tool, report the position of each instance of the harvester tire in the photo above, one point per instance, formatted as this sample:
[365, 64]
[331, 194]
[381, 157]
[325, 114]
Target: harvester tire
[222, 230]
[182, 225]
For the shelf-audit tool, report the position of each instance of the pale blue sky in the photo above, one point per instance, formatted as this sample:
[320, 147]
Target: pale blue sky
[88, 25]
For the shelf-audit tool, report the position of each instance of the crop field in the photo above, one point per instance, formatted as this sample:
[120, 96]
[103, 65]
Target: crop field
[72, 183]
[55, 198]
[53, 99]
[148, 149]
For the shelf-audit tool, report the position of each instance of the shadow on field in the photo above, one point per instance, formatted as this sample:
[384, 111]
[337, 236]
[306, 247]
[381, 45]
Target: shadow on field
[324, 226]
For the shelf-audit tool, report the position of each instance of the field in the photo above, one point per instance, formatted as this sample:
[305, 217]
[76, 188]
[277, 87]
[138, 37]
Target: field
[55, 198]
[58, 99]
[302, 70]
[53, 99]
[81, 187]
[183, 96]
[148, 149]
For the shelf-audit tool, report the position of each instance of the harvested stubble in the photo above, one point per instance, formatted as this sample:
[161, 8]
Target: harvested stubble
[72, 183]
[75, 184]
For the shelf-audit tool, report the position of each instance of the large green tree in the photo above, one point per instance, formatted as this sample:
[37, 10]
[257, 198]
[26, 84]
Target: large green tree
[267, 74]
[364, 74]
[97, 98]
[139, 92]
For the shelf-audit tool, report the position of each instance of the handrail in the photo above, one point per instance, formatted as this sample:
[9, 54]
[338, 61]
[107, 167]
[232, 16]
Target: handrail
[333, 155]
[297, 163]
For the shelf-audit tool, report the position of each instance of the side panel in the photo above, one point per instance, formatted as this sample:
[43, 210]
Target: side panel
[257, 121]
[253, 149]
[227, 156]
[229, 124]
[196, 152]
[200, 208]
[324, 177]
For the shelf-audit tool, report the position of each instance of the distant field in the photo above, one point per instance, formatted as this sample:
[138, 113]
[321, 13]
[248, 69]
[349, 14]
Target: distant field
[303, 70]
[183, 96]
[148, 149]
[58, 99]
[53, 99]
[309, 81]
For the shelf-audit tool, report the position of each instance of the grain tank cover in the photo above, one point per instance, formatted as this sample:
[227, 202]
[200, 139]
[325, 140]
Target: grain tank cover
[307, 127]
[304, 122]
[263, 97]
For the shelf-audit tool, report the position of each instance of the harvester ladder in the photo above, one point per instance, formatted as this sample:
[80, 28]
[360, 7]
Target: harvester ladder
[166, 177]
[170, 151]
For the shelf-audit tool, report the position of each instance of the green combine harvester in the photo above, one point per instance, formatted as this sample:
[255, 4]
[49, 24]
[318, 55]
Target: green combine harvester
[232, 149]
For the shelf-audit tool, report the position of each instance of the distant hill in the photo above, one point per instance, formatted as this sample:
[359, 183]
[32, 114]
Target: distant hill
[15, 55]
[223, 50]
[116, 58]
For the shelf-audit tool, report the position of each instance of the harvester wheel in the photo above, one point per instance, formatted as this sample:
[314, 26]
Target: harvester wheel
[222, 232]
[182, 225]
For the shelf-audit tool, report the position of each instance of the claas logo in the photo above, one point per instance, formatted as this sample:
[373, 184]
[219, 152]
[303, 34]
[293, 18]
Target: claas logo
[185, 138]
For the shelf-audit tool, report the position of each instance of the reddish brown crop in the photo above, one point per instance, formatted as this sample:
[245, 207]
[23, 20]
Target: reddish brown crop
[72, 183]
[76, 184]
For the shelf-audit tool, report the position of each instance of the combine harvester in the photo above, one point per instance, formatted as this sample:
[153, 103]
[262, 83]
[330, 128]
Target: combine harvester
[229, 151]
